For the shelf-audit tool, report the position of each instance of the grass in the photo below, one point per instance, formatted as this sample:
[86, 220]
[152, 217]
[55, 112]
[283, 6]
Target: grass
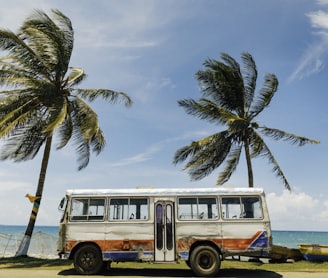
[300, 266]
[30, 262]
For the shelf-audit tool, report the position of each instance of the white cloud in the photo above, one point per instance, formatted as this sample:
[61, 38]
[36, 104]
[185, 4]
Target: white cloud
[141, 157]
[319, 19]
[101, 38]
[297, 211]
[128, 24]
[138, 158]
[312, 60]
[149, 88]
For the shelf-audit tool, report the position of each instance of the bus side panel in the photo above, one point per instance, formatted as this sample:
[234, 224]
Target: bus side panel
[129, 241]
[243, 238]
[117, 241]
[188, 232]
[78, 232]
[246, 238]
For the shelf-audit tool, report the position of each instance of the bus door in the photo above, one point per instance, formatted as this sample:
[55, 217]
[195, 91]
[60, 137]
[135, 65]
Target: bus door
[164, 231]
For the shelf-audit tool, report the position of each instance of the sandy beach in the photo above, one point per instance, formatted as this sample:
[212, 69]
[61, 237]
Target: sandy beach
[45, 273]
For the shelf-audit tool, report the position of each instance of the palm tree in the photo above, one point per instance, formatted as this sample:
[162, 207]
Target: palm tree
[40, 99]
[229, 99]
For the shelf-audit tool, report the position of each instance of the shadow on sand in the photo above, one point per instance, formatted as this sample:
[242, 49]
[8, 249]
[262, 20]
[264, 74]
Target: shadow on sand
[130, 272]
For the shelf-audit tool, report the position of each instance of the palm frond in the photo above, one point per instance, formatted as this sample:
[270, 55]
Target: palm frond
[264, 151]
[57, 114]
[86, 132]
[265, 94]
[230, 165]
[222, 84]
[52, 42]
[207, 110]
[87, 119]
[15, 111]
[277, 134]
[83, 150]
[183, 153]
[65, 131]
[249, 73]
[108, 95]
[204, 155]
[20, 52]
[255, 143]
[67, 31]
[82, 146]
[75, 76]
[98, 141]
[5, 93]
[208, 159]
[24, 142]
[231, 62]
[14, 75]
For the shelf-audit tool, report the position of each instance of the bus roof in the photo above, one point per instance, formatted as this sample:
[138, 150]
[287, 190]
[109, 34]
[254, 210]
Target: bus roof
[164, 191]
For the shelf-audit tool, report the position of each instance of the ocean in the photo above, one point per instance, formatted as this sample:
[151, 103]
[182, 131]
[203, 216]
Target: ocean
[44, 240]
[19, 230]
[291, 239]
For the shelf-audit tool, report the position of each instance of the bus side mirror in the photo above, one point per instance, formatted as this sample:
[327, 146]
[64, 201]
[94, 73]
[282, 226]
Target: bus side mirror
[61, 204]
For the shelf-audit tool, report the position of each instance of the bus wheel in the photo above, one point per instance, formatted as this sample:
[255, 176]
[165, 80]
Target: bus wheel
[205, 261]
[88, 260]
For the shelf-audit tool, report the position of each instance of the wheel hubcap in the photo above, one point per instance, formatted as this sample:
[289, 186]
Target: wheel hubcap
[88, 260]
[205, 261]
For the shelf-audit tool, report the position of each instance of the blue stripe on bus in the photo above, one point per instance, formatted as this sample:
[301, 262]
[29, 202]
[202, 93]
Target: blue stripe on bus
[126, 255]
[184, 255]
[260, 242]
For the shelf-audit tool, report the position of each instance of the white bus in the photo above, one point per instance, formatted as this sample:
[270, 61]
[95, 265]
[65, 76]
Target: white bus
[200, 226]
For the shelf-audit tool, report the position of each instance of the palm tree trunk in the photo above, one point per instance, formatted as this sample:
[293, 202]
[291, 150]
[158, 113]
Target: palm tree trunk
[25, 243]
[249, 164]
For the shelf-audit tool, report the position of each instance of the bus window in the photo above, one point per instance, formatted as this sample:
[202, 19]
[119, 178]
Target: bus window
[241, 207]
[252, 207]
[207, 208]
[231, 208]
[96, 209]
[169, 227]
[87, 209]
[128, 209]
[187, 208]
[62, 208]
[139, 209]
[159, 226]
[197, 208]
[118, 209]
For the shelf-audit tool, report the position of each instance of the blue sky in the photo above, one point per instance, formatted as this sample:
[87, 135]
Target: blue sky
[151, 50]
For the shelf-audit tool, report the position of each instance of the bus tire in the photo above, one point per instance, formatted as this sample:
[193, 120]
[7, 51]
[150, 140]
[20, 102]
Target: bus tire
[88, 260]
[205, 261]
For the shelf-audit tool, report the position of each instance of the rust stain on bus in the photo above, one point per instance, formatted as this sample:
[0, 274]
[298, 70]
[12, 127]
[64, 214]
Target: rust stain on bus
[128, 245]
[116, 245]
[238, 244]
